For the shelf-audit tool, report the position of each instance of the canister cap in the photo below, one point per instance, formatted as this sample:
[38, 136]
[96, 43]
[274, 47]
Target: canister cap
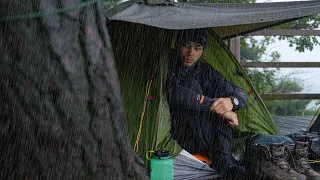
[161, 153]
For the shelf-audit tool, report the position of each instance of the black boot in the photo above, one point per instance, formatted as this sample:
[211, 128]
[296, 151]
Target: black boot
[229, 167]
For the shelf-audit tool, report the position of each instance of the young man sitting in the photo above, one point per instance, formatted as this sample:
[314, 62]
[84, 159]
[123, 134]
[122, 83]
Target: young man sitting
[202, 104]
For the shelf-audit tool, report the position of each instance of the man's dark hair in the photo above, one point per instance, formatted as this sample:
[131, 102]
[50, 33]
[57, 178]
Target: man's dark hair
[194, 35]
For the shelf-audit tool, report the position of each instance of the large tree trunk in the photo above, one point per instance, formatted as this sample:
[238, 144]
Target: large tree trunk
[61, 115]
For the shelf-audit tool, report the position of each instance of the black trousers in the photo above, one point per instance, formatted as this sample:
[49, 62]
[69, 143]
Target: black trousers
[208, 134]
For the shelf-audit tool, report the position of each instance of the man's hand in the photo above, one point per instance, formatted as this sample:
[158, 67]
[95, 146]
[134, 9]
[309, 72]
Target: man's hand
[232, 118]
[221, 106]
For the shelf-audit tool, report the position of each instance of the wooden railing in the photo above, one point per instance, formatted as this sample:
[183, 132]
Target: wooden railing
[234, 46]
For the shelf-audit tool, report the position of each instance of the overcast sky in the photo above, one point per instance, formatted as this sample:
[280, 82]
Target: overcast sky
[309, 76]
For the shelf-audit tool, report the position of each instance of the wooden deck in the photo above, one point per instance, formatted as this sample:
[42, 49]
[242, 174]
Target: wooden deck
[292, 124]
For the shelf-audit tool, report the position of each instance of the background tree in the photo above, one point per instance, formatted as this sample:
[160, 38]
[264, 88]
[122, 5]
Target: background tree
[302, 43]
[108, 4]
[61, 111]
[266, 80]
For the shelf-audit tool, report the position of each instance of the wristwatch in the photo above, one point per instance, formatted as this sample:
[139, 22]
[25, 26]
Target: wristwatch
[235, 102]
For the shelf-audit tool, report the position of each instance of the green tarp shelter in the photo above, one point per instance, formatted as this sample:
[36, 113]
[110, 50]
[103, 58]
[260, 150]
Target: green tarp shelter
[142, 37]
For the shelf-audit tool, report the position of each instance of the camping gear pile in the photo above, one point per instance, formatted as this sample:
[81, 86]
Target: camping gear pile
[142, 37]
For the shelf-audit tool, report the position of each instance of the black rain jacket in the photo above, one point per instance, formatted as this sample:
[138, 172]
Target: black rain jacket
[192, 122]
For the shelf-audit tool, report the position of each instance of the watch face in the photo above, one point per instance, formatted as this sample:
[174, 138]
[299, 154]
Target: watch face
[236, 101]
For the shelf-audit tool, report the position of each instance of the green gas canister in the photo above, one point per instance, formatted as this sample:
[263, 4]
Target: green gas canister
[161, 165]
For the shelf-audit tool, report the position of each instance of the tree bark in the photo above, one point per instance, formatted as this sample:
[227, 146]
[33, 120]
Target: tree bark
[61, 114]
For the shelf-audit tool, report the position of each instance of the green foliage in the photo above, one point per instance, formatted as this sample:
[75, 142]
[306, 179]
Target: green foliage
[287, 86]
[252, 49]
[288, 107]
[275, 56]
[301, 43]
[310, 22]
[108, 4]
[265, 80]
[310, 112]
